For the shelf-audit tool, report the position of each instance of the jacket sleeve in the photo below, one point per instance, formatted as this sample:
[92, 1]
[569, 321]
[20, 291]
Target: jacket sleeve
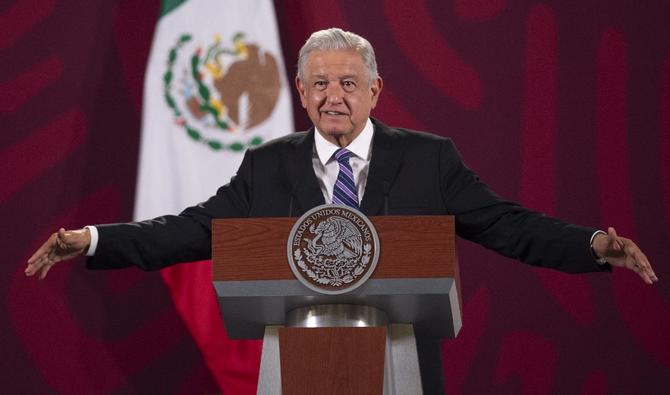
[506, 227]
[170, 239]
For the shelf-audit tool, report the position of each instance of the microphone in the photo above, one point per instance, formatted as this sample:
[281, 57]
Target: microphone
[386, 186]
[290, 199]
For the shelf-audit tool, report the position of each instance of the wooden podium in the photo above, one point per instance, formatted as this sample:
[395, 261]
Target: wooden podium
[361, 342]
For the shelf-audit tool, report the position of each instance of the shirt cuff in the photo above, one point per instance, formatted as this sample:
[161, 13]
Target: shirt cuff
[94, 240]
[600, 260]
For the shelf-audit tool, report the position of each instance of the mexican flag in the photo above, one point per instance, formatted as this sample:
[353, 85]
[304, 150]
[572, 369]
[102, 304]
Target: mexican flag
[215, 86]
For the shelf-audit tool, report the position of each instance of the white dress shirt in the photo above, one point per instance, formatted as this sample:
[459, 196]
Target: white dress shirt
[326, 167]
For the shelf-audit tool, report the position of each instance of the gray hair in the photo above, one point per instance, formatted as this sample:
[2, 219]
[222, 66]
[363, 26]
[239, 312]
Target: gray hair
[338, 39]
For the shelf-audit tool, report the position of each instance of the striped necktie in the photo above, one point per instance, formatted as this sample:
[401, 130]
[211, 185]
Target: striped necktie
[344, 191]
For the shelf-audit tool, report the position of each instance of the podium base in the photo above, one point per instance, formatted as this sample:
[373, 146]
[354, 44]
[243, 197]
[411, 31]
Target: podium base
[401, 374]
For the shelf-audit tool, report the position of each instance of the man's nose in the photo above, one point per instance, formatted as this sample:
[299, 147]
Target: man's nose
[334, 93]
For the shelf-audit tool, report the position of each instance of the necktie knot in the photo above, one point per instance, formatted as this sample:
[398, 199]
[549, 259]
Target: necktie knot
[342, 155]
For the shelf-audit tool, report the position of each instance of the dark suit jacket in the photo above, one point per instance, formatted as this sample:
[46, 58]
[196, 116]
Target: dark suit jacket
[418, 173]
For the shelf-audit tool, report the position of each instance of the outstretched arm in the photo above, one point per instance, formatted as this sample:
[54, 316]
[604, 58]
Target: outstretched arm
[622, 252]
[62, 245]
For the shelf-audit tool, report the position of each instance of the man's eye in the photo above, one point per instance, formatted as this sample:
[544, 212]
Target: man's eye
[349, 85]
[320, 84]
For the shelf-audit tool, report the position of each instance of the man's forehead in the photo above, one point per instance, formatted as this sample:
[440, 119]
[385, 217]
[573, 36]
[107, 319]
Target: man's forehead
[335, 75]
[335, 62]
[334, 57]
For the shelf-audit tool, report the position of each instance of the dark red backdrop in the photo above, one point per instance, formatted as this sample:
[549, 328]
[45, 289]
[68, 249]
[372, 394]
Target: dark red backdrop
[565, 108]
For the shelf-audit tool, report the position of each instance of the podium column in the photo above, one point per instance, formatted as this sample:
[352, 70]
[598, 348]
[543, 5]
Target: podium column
[339, 349]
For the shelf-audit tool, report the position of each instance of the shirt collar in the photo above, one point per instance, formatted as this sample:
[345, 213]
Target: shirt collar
[359, 147]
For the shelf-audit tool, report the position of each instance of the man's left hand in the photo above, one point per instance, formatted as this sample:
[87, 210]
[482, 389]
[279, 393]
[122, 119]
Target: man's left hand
[623, 252]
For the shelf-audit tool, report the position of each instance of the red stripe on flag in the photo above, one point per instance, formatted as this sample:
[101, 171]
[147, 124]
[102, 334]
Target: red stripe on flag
[233, 363]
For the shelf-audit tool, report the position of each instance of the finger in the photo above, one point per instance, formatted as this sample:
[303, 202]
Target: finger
[640, 260]
[645, 277]
[37, 264]
[30, 270]
[33, 258]
[36, 254]
[617, 243]
[611, 233]
[621, 243]
[72, 240]
[652, 276]
[43, 261]
[63, 238]
[35, 267]
[644, 272]
[32, 266]
[652, 273]
[43, 249]
[51, 256]
[44, 271]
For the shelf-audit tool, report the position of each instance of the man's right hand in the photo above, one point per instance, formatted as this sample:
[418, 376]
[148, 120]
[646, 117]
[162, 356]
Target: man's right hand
[62, 245]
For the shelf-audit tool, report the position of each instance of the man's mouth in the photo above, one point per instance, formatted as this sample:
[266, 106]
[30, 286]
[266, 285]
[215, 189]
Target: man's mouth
[333, 113]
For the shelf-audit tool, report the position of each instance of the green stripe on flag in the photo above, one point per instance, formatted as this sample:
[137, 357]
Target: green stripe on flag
[169, 5]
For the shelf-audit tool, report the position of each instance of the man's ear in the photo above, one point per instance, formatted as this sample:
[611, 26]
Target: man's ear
[376, 89]
[301, 92]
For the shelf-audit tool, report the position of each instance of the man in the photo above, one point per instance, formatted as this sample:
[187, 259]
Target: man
[408, 172]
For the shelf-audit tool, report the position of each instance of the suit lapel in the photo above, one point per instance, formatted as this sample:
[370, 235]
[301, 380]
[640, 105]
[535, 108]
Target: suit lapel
[300, 175]
[385, 162]
[384, 165]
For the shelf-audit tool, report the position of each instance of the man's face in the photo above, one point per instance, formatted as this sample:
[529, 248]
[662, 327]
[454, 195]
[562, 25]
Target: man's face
[338, 94]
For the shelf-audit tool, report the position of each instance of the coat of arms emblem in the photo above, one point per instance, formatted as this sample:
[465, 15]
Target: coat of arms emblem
[216, 91]
[333, 249]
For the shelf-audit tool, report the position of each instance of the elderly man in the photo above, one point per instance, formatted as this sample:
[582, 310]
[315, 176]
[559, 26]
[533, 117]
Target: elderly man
[349, 158]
